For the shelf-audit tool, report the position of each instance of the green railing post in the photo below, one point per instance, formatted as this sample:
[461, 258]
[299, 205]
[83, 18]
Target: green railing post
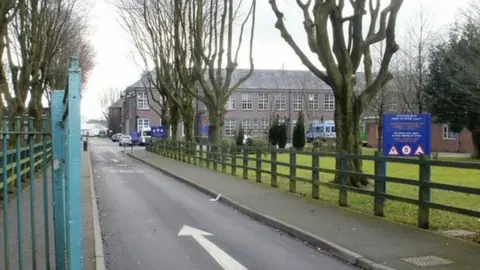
[424, 193]
[234, 150]
[273, 167]
[18, 122]
[245, 162]
[379, 185]
[293, 170]
[31, 159]
[258, 165]
[188, 146]
[6, 263]
[342, 196]
[315, 175]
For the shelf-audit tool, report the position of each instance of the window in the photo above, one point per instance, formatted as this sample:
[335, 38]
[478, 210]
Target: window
[247, 102]
[255, 125]
[297, 102]
[264, 125]
[231, 103]
[329, 102]
[142, 100]
[142, 123]
[313, 102]
[281, 102]
[230, 127]
[262, 101]
[246, 124]
[448, 134]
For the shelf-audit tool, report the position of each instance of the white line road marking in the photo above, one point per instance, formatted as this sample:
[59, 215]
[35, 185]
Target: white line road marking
[126, 171]
[216, 199]
[222, 258]
[115, 160]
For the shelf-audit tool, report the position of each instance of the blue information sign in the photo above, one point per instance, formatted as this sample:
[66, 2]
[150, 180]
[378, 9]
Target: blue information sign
[158, 132]
[406, 134]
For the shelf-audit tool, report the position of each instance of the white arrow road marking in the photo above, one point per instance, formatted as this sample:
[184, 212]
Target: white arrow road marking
[216, 199]
[222, 258]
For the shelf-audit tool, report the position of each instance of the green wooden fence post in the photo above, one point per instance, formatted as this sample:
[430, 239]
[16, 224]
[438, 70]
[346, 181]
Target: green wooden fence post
[200, 155]
[245, 162]
[379, 185]
[224, 158]
[258, 167]
[273, 167]
[208, 155]
[293, 171]
[215, 156]
[234, 160]
[315, 174]
[424, 193]
[343, 195]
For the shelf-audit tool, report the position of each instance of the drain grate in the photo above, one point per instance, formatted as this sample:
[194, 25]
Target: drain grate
[424, 261]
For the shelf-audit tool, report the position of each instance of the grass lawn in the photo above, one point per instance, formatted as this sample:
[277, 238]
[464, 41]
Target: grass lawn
[395, 211]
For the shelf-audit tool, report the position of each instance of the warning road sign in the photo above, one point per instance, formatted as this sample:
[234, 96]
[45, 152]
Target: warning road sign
[393, 151]
[419, 151]
[406, 150]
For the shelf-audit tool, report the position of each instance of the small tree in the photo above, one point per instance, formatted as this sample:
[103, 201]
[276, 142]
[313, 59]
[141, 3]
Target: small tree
[273, 132]
[298, 136]
[240, 136]
[282, 135]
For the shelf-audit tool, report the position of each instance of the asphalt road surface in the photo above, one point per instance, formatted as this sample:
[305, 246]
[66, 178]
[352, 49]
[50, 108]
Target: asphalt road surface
[150, 221]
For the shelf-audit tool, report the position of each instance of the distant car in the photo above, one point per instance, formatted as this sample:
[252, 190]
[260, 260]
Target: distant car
[116, 137]
[125, 140]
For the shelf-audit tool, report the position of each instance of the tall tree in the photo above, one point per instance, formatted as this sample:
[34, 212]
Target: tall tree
[107, 98]
[342, 56]
[453, 85]
[411, 63]
[215, 61]
[7, 12]
[153, 26]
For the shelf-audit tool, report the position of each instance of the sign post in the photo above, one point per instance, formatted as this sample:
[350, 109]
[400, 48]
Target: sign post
[406, 135]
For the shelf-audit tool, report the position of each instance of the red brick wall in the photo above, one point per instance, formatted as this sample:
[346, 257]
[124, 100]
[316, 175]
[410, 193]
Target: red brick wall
[439, 144]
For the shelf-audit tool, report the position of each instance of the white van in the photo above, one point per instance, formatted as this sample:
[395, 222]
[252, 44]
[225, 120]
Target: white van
[145, 136]
[323, 130]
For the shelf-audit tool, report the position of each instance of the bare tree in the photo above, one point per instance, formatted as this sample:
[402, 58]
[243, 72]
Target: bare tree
[215, 61]
[341, 57]
[411, 63]
[7, 12]
[107, 98]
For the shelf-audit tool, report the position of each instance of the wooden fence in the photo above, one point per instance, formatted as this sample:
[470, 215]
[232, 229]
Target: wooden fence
[219, 157]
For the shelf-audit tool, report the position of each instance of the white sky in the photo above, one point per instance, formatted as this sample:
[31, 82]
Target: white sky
[115, 67]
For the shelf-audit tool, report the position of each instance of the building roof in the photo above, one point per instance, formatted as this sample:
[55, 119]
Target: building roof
[266, 79]
[117, 104]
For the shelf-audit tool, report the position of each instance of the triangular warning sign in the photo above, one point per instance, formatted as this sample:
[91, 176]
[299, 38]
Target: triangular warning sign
[419, 151]
[393, 151]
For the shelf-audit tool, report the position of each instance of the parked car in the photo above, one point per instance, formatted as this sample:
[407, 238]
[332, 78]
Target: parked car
[125, 140]
[116, 137]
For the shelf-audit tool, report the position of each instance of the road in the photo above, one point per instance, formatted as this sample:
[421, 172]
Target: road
[151, 221]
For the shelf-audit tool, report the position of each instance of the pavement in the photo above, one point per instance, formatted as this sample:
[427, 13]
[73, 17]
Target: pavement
[366, 241]
[39, 224]
[149, 220]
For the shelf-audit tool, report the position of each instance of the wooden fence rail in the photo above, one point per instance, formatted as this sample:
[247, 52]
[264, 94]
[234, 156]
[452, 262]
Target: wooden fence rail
[213, 156]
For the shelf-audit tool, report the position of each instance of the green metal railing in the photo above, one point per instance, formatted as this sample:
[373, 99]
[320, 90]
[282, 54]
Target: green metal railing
[213, 156]
[26, 152]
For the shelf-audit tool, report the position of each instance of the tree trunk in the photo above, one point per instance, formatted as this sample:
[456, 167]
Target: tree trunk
[347, 125]
[174, 126]
[217, 120]
[476, 143]
[379, 135]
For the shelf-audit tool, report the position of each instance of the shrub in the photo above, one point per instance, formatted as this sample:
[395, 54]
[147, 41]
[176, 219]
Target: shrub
[298, 136]
[273, 132]
[282, 135]
[240, 136]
